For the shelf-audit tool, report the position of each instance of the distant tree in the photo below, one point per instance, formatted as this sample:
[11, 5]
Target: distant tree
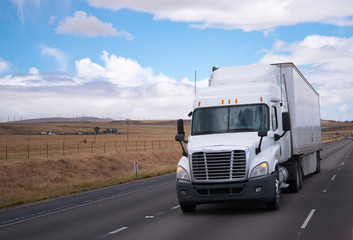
[96, 130]
[107, 130]
[114, 130]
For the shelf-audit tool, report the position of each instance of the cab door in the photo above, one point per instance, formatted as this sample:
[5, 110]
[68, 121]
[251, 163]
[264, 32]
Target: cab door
[276, 124]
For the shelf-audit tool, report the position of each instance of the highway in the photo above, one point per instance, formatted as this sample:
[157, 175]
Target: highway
[148, 209]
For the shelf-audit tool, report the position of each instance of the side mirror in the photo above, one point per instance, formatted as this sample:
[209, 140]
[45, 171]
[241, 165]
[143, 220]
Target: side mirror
[180, 137]
[285, 121]
[262, 134]
[180, 126]
[285, 125]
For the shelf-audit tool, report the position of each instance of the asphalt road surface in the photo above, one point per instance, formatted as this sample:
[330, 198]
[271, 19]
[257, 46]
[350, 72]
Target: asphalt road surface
[148, 209]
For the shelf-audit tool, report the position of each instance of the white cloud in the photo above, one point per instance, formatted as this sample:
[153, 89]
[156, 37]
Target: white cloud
[26, 8]
[118, 88]
[327, 63]
[33, 71]
[59, 56]
[88, 70]
[89, 26]
[52, 19]
[121, 71]
[246, 15]
[4, 66]
[344, 108]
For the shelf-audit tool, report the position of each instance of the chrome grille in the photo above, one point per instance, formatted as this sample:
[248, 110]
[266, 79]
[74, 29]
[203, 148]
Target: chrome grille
[209, 166]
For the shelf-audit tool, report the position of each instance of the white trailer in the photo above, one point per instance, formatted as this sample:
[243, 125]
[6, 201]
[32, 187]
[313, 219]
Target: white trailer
[304, 110]
[255, 130]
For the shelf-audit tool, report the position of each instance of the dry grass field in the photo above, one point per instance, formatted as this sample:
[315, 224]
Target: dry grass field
[23, 140]
[333, 131]
[39, 179]
[41, 167]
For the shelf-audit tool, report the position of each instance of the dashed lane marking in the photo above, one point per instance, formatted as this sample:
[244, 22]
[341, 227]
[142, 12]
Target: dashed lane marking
[308, 218]
[117, 230]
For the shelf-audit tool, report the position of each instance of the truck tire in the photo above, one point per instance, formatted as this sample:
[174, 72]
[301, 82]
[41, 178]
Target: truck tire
[187, 208]
[296, 184]
[318, 165]
[275, 203]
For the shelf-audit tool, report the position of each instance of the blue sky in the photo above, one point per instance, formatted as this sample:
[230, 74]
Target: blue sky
[137, 58]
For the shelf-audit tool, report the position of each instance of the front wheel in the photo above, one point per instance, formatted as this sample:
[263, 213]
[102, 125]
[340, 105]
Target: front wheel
[274, 203]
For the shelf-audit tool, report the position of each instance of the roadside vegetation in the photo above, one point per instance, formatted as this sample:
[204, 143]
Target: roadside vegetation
[39, 179]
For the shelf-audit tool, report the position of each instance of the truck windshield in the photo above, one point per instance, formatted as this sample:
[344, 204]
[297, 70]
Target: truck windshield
[230, 119]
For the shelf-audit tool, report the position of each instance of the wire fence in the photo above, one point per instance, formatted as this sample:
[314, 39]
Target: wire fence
[68, 148]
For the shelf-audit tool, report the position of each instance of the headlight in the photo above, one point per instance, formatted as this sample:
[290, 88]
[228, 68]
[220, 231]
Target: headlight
[259, 170]
[182, 174]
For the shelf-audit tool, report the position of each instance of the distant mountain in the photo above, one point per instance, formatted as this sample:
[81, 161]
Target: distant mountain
[60, 119]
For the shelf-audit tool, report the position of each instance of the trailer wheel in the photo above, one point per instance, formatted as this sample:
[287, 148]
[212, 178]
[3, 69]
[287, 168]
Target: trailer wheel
[187, 208]
[318, 166]
[296, 184]
[275, 203]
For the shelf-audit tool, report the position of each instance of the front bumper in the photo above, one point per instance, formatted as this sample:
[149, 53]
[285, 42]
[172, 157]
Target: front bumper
[261, 188]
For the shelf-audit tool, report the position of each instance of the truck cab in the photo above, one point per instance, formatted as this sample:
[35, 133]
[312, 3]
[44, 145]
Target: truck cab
[240, 139]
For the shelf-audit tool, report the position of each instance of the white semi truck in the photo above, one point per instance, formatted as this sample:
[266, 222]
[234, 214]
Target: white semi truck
[255, 130]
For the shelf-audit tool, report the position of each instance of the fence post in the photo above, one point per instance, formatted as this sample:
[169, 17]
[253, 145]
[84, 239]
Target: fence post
[126, 146]
[47, 150]
[28, 151]
[115, 146]
[136, 168]
[63, 148]
[104, 146]
[78, 148]
[144, 146]
[6, 153]
[136, 146]
[91, 147]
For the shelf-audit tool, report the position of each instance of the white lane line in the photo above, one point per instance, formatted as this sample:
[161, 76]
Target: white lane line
[117, 230]
[333, 177]
[342, 164]
[149, 217]
[308, 218]
[176, 207]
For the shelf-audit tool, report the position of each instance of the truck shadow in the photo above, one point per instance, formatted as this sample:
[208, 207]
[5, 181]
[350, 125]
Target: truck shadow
[237, 208]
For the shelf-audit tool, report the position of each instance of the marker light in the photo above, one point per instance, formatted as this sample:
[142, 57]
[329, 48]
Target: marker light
[228, 101]
[199, 103]
[261, 99]
[236, 100]
[222, 101]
